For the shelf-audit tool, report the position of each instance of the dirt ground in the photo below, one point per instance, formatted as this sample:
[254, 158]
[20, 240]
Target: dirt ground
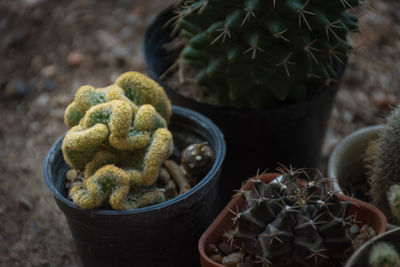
[49, 48]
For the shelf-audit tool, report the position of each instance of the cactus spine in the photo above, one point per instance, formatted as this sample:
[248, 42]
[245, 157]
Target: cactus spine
[384, 255]
[255, 53]
[119, 139]
[383, 163]
[284, 224]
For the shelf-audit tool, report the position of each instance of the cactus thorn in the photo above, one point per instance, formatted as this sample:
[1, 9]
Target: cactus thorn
[301, 13]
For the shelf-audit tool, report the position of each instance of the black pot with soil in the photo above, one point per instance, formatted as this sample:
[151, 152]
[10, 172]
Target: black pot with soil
[257, 139]
[165, 234]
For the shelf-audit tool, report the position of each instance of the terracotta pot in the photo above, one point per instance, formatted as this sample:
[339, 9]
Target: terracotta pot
[366, 214]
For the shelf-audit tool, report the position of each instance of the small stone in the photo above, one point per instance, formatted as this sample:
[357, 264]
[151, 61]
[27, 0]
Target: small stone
[107, 39]
[211, 249]
[225, 248]
[16, 89]
[75, 58]
[121, 53]
[42, 101]
[48, 71]
[384, 101]
[232, 260]
[216, 258]
[16, 38]
[24, 203]
[71, 175]
[354, 230]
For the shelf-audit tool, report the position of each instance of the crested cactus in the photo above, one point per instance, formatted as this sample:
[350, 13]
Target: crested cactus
[383, 161]
[294, 222]
[255, 53]
[119, 140]
[384, 255]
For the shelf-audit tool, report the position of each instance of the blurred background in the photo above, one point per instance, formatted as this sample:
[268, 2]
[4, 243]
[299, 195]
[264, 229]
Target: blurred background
[48, 48]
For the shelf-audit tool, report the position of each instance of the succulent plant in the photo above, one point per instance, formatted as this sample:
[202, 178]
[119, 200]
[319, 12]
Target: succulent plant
[382, 162]
[294, 222]
[254, 53]
[119, 140]
[394, 200]
[384, 255]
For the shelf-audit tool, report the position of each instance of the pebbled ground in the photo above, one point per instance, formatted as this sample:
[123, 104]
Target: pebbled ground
[49, 48]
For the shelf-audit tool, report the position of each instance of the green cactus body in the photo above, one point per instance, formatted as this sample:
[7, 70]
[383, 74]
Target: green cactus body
[394, 200]
[383, 163]
[384, 255]
[284, 224]
[255, 53]
[118, 140]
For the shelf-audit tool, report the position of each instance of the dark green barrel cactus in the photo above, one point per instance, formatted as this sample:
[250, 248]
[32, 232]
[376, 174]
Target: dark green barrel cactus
[255, 53]
[294, 223]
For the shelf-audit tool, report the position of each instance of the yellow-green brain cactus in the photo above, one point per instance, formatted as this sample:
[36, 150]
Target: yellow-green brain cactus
[118, 139]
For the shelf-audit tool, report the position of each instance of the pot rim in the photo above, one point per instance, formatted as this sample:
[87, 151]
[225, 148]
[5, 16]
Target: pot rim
[319, 88]
[270, 177]
[220, 151]
[333, 158]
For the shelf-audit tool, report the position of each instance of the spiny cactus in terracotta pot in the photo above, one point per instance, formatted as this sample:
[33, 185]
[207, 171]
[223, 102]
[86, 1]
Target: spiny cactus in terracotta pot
[294, 222]
[255, 53]
[119, 140]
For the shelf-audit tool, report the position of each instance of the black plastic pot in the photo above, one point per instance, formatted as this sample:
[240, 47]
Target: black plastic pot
[256, 139]
[161, 235]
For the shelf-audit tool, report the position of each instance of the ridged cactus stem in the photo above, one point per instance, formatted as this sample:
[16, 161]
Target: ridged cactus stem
[295, 222]
[255, 53]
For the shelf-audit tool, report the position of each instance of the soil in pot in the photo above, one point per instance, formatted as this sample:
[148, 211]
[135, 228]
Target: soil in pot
[215, 251]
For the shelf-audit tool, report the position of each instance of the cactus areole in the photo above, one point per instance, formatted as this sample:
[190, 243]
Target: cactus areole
[256, 53]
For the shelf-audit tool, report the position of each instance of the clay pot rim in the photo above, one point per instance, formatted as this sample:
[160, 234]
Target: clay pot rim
[267, 178]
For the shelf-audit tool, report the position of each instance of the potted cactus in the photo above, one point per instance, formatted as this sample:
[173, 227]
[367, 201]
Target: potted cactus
[109, 175]
[382, 250]
[368, 161]
[297, 221]
[269, 71]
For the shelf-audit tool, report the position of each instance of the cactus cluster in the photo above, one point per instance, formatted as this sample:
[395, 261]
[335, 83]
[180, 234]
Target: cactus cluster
[294, 222]
[256, 53]
[119, 140]
[382, 163]
[384, 255]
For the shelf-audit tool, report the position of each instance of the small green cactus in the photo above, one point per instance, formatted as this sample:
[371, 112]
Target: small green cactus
[384, 255]
[294, 222]
[255, 53]
[383, 161]
[119, 140]
[394, 200]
